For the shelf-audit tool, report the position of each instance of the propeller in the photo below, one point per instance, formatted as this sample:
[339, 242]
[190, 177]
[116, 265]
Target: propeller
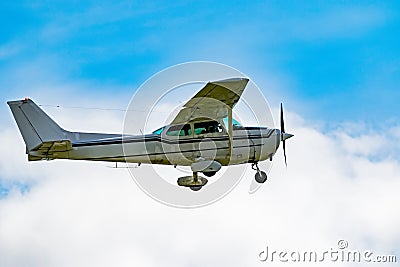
[284, 135]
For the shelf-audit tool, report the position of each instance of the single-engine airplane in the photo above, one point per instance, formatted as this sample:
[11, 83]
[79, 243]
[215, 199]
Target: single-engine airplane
[203, 136]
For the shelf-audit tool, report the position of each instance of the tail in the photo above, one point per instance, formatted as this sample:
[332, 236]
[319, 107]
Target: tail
[42, 136]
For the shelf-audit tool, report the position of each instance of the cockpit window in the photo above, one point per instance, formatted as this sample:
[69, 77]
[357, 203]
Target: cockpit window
[179, 130]
[207, 127]
[159, 131]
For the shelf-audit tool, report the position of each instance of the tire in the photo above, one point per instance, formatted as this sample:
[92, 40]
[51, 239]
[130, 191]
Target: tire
[195, 188]
[261, 177]
[209, 174]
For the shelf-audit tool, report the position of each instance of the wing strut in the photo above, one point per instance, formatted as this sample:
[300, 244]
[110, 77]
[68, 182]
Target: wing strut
[230, 131]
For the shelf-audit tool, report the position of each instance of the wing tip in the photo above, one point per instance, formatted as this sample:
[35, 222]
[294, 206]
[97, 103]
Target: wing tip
[233, 79]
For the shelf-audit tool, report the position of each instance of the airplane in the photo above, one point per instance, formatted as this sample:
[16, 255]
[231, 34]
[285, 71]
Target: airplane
[203, 135]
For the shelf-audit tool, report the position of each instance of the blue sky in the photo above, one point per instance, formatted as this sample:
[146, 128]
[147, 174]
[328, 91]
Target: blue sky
[331, 61]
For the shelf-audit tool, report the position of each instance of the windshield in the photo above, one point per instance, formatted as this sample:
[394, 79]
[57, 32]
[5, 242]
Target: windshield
[234, 122]
[158, 131]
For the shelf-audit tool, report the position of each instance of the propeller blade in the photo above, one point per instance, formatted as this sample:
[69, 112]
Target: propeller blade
[284, 136]
[282, 121]
[284, 151]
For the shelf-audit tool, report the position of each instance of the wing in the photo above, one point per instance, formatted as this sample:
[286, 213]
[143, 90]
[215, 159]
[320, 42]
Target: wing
[213, 101]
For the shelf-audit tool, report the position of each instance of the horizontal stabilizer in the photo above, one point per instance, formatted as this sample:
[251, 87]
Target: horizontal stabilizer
[48, 150]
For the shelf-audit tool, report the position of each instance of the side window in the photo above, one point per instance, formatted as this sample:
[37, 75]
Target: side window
[179, 130]
[207, 127]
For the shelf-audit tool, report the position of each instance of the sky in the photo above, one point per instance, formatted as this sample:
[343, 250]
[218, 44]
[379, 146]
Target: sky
[334, 64]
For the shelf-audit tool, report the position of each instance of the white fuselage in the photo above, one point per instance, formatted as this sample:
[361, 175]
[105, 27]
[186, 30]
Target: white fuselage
[249, 144]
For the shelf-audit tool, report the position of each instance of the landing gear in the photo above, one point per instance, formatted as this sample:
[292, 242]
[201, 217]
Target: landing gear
[260, 176]
[209, 174]
[195, 188]
[194, 182]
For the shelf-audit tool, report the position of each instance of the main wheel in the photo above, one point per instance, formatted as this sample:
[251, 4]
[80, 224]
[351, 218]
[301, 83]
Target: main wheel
[195, 188]
[261, 177]
[209, 174]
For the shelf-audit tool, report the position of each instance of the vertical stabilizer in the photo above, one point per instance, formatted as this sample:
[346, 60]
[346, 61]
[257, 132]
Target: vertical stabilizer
[36, 127]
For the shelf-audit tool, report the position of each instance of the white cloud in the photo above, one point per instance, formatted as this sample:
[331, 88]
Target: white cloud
[85, 214]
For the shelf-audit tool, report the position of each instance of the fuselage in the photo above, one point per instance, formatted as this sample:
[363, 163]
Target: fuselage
[247, 144]
[202, 139]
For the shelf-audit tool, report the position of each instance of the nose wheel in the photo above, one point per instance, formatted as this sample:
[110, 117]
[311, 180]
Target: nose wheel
[260, 176]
